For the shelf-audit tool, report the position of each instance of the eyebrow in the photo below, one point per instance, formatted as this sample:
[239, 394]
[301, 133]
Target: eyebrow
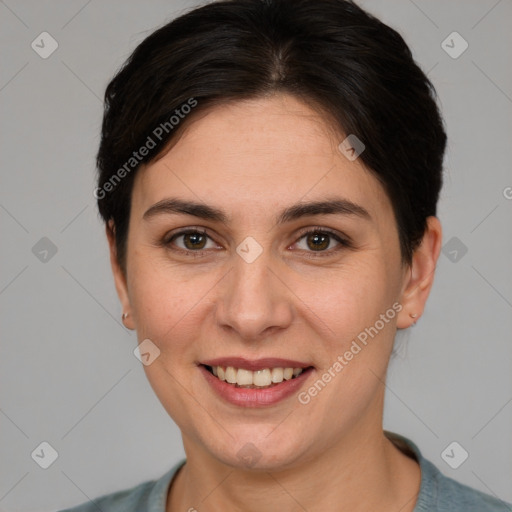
[340, 206]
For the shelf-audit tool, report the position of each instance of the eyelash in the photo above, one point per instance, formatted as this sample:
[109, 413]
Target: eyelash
[343, 242]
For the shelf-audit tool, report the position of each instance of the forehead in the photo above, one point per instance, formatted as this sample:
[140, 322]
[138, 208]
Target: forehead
[256, 153]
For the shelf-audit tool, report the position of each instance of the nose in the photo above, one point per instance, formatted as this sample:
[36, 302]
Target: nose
[254, 302]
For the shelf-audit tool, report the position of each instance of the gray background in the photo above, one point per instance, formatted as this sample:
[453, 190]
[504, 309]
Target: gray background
[68, 373]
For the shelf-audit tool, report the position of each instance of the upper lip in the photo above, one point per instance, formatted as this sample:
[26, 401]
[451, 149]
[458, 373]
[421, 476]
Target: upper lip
[255, 364]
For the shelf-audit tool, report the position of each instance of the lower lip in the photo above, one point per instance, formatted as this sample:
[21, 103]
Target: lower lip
[253, 397]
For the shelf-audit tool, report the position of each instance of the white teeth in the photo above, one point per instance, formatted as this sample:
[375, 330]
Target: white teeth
[277, 374]
[244, 377]
[231, 375]
[259, 378]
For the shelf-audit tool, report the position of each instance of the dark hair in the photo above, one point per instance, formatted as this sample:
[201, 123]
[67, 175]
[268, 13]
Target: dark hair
[358, 72]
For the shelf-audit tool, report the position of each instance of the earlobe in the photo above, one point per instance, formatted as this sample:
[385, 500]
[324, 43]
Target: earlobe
[119, 277]
[418, 284]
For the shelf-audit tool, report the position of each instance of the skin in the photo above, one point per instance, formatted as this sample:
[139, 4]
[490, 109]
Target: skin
[252, 159]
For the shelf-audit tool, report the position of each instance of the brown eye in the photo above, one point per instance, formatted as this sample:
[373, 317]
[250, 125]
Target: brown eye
[194, 241]
[190, 240]
[318, 241]
[321, 241]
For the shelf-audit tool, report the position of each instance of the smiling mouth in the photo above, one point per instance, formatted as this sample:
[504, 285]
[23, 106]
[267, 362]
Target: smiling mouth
[259, 379]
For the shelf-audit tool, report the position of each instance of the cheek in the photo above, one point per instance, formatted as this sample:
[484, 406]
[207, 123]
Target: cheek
[351, 298]
[169, 309]
[358, 310]
[167, 301]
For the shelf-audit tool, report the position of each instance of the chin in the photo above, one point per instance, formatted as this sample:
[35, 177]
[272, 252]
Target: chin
[259, 449]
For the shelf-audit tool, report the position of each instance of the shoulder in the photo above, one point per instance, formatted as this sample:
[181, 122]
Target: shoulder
[148, 495]
[448, 495]
[439, 493]
[135, 498]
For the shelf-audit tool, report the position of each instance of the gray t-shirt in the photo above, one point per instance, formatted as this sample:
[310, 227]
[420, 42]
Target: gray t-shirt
[438, 493]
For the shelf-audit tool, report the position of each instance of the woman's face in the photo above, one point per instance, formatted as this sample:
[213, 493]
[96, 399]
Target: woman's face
[255, 286]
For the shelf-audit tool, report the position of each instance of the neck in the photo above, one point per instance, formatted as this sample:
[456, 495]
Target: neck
[362, 471]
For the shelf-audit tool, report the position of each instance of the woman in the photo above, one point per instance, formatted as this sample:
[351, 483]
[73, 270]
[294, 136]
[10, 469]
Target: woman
[269, 174]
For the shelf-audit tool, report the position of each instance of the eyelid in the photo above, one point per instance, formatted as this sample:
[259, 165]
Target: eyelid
[169, 237]
[342, 239]
[322, 229]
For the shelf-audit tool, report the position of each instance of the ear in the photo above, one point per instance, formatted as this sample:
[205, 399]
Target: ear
[119, 277]
[418, 284]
